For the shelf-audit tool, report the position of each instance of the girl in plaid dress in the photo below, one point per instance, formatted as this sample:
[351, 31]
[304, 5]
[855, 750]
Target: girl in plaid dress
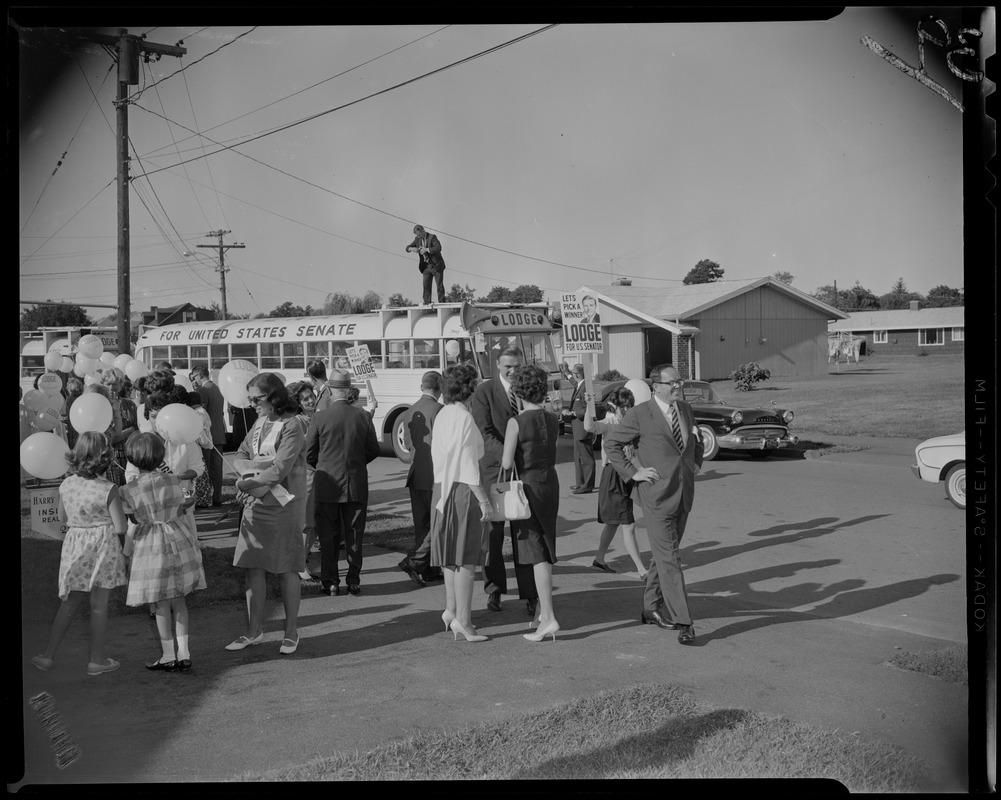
[166, 560]
[91, 561]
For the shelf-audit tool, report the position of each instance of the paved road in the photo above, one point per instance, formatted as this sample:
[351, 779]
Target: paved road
[805, 575]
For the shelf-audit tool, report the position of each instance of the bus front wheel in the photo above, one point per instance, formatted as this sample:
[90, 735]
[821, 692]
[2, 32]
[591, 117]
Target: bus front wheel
[398, 440]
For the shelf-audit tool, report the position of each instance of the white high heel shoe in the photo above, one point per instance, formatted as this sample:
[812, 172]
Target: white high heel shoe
[447, 617]
[470, 637]
[549, 629]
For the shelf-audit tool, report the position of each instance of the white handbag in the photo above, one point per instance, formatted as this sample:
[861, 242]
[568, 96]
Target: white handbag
[508, 500]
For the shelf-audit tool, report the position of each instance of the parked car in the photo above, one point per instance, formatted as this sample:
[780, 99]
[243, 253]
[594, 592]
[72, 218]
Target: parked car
[757, 431]
[944, 459]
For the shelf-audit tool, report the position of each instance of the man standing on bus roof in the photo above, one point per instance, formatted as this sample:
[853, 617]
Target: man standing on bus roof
[418, 422]
[340, 443]
[215, 407]
[431, 264]
[493, 404]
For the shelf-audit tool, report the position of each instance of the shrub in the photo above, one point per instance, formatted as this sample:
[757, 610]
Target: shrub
[746, 375]
[611, 375]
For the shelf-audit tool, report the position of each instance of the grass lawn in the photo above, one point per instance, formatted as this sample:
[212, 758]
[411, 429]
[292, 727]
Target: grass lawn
[645, 731]
[949, 664]
[897, 397]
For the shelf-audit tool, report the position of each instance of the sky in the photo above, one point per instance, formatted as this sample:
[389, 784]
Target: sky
[570, 154]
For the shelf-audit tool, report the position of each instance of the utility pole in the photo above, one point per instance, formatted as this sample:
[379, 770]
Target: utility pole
[126, 50]
[222, 248]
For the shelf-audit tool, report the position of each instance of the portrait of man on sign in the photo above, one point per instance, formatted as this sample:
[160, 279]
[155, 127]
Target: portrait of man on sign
[590, 306]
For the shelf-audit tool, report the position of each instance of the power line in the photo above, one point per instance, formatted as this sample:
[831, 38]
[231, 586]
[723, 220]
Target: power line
[360, 99]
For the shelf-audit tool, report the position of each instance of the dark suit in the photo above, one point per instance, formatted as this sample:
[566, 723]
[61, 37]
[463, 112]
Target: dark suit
[583, 442]
[215, 407]
[340, 443]
[417, 424]
[666, 502]
[431, 265]
[491, 410]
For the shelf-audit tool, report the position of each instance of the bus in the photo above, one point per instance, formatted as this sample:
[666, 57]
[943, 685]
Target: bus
[403, 342]
[36, 344]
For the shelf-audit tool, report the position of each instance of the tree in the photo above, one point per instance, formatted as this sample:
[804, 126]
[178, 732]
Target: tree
[898, 297]
[526, 293]
[943, 296]
[286, 309]
[398, 301]
[458, 294]
[705, 271]
[855, 298]
[48, 316]
[497, 294]
[784, 277]
[344, 303]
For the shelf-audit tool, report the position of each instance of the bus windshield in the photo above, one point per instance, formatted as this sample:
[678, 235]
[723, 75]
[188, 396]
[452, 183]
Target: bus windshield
[537, 347]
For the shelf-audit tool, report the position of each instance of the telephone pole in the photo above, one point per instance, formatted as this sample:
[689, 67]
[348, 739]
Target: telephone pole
[222, 248]
[126, 49]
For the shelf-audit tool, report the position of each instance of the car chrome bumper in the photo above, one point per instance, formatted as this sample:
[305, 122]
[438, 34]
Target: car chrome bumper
[916, 471]
[734, 441]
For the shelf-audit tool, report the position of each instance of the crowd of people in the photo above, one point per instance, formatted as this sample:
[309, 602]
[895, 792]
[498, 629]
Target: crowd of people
[302, 478]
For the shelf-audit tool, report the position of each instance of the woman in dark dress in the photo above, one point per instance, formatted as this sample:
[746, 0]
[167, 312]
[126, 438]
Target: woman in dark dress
[530, 446]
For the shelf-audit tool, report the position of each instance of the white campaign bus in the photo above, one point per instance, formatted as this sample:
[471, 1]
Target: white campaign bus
[404, 343]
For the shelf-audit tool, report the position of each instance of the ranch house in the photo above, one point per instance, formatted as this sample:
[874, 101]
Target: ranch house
[908, 331]
[707, 330]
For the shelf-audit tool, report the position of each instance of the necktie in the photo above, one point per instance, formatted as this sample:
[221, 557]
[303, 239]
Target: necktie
[514, 400]
[676, 426]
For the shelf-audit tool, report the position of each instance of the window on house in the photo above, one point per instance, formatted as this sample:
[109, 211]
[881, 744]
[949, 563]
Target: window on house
[957, 334]
[879, 337]
[931, 336]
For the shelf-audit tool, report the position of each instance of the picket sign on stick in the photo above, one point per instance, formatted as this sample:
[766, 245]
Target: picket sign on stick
[372, 402]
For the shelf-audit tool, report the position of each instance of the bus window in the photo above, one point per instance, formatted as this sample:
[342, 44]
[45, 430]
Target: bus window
[244, 351]
[459, 351]
[292, 356]
[218, 356]
[374, 351]
[398, 353]
[538, 349]
[339, 356]
[199, 356]
[160, 354]
[179, 357]
[320, 350]
[271, 355]
[426, 354]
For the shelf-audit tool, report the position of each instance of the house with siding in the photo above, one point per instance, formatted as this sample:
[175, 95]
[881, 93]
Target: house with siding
[908, 331]
[706, 330]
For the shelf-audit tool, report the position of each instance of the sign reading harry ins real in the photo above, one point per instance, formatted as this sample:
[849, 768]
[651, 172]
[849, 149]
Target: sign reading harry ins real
[581, 324]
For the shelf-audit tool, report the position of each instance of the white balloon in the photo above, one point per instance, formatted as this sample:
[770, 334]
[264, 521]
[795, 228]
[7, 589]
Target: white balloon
[91, 346]
[179, 424]
[91, 412]
[182, 380]
[640, 390]
[44, 455]
[122, 361]
[108, 359]
[67, 365]
[135, 370]
[50, 383]
[87, 364]
[233, 379]
[53, 360]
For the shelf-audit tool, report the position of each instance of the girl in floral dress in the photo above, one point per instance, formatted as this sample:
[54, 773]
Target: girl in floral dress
[166, 560]
[91, 560]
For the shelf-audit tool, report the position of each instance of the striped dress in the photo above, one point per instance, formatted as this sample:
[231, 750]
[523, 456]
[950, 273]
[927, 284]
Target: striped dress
[166, 559]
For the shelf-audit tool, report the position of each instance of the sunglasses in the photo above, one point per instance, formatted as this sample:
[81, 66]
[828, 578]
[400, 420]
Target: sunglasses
[255, 398]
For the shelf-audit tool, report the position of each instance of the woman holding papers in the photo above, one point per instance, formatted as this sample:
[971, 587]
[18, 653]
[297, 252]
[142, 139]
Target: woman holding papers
[272, 487]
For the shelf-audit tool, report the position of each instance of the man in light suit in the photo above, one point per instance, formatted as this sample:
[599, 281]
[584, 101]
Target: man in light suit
[583, 441]
[669, 446]
[340, 443]
[492, 407]
[215, 407]
[418, 422]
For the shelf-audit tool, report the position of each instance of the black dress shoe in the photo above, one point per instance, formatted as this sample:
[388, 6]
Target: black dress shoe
[602, 566]
[354, 588]
[163, 666]
[686, 634]
[184, 664]
[656, 618]
[580, 491]
[572, 488]
[533, 605]
[494, 603]
[415, 576]
[433, 575]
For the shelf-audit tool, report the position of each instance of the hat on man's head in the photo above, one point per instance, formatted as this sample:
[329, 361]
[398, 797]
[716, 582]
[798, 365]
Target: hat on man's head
[339, 379]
